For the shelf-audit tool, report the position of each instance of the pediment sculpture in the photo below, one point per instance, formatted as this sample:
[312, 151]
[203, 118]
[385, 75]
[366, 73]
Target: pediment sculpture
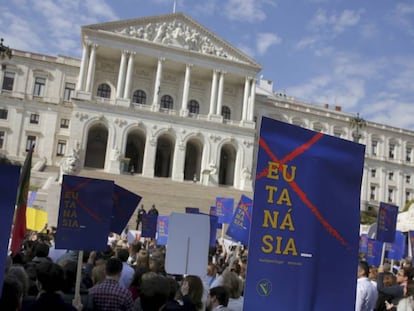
[176, 33]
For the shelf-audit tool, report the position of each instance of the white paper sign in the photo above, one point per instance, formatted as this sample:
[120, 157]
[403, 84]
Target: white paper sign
[188, 244]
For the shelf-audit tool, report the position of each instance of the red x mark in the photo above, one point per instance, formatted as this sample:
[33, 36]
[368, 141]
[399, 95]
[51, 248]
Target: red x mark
[82, 205]
[298, 151]
[219, 203]
[246, 211]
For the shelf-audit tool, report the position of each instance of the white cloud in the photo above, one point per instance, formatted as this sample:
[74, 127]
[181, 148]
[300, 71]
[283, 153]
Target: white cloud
[306, 42]
[245, 10]
[265, 40]
[403, 17]
[325, 22]
[391, 112]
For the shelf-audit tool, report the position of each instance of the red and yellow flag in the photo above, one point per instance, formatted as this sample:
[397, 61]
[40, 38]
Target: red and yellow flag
[19, 227]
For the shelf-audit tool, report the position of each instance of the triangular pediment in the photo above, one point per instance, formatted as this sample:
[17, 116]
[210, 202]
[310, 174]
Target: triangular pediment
[175, 30]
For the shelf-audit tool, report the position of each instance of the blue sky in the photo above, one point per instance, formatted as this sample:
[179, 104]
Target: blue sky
[355, 54]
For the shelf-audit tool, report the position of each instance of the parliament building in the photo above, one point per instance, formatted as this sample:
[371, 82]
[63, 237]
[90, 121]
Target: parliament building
[164, 97]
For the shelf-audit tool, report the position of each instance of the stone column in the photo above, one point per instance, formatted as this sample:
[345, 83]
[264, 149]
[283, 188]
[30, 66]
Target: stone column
[85, 56]
[213, 93]
[178, 162]
[246, 98]
[121, 75]
[91, 69]
[157, 85]
[186, 88]
[220, 93]
[130, 70]
[252, 99]
[149, 156]
[383, 189]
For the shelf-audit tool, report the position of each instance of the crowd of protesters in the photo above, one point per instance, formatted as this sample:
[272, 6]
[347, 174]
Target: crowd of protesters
[127, 276]
[132, 276]
[389, 286]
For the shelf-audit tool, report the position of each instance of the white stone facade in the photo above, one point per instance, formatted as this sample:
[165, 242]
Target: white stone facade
[178, 102]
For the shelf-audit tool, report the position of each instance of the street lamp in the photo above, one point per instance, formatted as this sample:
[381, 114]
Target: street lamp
[358, 123]
[4, 50]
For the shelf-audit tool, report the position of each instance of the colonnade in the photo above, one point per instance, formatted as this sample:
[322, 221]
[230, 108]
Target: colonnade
[125, 77]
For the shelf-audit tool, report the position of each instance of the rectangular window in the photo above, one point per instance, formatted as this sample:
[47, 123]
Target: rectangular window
[407, 196]
[2, 135]
[390, 176]
[390, 195]
[8, 81]
[30, 141]
[373, 173]
[391, 154]
[408, 152]
[39, 86]
[372, 193]
[61, 148]
[69, 89]
[64, 123]
[34, 118]
[407, 179]
[3, 113]
[374, 146]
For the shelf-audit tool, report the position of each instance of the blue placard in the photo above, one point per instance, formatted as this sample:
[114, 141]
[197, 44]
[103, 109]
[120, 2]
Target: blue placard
[396, 250]
[149, 225]
[9, 181]
[213, 230]
[363, 243]
[239, 227]
[85, 213]
[213, 212]
[374, 251]
[192, 210]
[387, 222]
[125, 203]
[224, 209]
[305, 216]
[162, 230]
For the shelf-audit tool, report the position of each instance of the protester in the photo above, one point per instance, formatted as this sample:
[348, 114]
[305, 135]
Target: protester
[153, 210]
[141, 213]
[154, 292]
[134, 249]
[50, 280]
[192, 290]
[367, 294]
[127, 271]
[218, 299]
[235, 287]
[388, 280]
[12, 295]
[406, 303]
[109, 295]
[395, 291]
[69, 283]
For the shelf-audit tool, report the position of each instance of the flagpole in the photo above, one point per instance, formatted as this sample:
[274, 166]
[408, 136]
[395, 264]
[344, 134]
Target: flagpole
[76, 302]
[383, 253]
[175, 3]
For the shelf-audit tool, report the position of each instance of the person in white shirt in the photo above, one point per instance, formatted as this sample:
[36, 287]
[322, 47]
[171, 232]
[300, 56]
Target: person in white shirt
[367, 294]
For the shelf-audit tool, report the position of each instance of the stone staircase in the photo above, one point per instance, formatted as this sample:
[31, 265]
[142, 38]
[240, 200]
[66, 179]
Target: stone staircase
[167, 195]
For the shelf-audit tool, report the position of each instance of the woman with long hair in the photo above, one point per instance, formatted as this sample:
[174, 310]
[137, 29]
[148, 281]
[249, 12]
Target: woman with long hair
[192, 290]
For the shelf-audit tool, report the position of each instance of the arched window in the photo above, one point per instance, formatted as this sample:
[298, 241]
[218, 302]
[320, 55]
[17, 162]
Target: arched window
[167, 102]
[139, 97]
[225, 112]
[193, 106]
[104, 90]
